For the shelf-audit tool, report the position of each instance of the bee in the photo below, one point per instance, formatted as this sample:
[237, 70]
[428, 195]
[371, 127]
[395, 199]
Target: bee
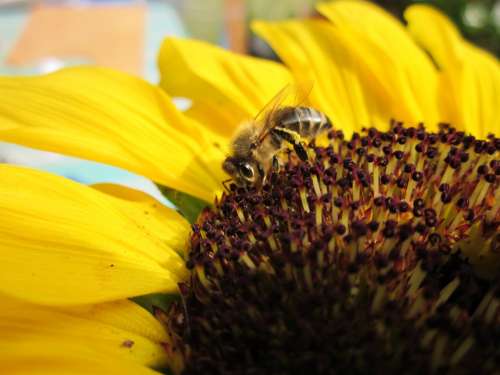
[258, 142]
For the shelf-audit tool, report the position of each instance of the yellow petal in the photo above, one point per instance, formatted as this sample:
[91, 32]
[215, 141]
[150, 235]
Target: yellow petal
[63, 243]
[111, 117]
[390, 58]
[437, 34]
[470, 77]
[46, 357]
[225, 87]
[161, 222]
[315, 51]
[120, 330]
[124, 315]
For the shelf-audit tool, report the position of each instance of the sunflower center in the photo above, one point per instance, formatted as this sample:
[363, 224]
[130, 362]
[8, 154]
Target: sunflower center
[363, 259]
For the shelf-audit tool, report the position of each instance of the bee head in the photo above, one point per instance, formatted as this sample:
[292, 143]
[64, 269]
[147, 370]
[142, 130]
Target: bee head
[244, 171]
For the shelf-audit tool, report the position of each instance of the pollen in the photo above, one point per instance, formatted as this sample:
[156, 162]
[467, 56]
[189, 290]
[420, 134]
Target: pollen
[378, 254]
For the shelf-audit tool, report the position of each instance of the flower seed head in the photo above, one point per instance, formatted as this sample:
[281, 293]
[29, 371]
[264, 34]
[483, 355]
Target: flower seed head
[379, 260]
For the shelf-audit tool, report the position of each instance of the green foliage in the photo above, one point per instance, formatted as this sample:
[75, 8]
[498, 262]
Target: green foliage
[161, 300]
[189, 206]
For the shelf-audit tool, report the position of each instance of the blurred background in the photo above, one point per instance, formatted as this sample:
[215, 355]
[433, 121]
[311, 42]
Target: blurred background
[41, 37]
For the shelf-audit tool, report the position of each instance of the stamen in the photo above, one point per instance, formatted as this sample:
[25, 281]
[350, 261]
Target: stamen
[303, 199]
[461, 351]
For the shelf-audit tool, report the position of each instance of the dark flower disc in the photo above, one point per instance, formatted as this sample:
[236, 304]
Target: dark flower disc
[376, 261]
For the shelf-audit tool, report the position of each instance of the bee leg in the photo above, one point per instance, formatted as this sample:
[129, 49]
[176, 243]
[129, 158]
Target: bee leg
[276, 163]
[300, 150]
[294, 139]
[261, 171]
[224, 183]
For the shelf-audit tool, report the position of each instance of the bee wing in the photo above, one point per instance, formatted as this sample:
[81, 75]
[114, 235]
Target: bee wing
[291, 95]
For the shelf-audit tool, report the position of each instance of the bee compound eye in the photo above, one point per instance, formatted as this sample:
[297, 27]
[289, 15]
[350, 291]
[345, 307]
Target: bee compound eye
[246, 170]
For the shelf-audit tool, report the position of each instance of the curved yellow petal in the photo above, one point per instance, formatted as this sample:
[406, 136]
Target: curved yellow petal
[315, 51]
[111, 117]
[62, 243]
[438, 34]
[120, 330]
[47, 357]
[390, 58]
[226, 88]
[161, 222]
[122, 314]
[470, 77]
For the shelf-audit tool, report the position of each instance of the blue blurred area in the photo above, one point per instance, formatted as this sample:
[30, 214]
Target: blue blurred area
[83, 171]
[87, 172]
[162, 20]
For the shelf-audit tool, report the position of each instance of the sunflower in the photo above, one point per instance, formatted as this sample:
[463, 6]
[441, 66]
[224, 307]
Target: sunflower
[379, 253]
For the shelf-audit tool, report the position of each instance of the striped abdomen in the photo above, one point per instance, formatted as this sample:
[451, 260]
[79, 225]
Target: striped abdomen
[307, 122]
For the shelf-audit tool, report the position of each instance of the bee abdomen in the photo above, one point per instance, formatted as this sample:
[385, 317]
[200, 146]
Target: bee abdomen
[307, 122]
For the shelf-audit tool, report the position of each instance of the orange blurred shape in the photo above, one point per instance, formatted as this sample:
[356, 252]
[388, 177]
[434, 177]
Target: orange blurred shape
[236, 28]
[106, 35]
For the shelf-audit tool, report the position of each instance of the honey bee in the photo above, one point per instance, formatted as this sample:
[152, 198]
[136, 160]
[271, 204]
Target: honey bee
[257, 143]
